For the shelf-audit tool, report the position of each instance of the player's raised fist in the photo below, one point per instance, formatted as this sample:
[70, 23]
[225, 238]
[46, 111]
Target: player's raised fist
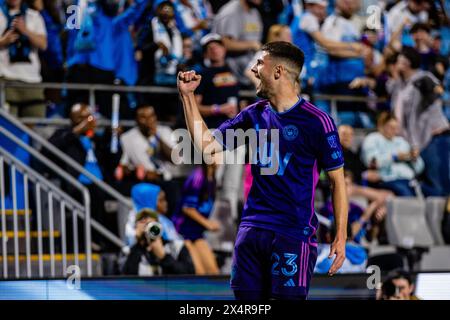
[188, 81]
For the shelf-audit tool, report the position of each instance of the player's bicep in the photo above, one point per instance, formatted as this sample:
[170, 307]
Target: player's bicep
[336, 176]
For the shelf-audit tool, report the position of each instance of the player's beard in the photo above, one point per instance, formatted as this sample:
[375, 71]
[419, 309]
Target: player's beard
[261, 90]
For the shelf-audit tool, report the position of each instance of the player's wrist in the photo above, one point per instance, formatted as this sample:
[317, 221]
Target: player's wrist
[340, 237]
[187, 94]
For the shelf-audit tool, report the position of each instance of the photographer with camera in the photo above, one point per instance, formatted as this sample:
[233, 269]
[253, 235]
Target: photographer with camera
[152, 255]
[22, 33]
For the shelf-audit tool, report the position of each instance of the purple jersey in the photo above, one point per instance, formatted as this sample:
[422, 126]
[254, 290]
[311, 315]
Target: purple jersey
[308, 142]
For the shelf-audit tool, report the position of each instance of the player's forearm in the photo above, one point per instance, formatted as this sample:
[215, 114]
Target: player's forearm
[340, 204]
[200, 134]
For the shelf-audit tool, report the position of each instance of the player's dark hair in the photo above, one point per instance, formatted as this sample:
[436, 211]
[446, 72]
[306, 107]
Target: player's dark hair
[413, 56]
[287, 52]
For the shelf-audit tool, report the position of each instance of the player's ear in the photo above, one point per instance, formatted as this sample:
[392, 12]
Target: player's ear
[278, 71]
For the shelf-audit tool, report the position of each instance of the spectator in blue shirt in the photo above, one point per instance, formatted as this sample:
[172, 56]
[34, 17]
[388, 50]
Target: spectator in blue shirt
[306, 34]
[341, 71]
[52, 57]
[90, 57]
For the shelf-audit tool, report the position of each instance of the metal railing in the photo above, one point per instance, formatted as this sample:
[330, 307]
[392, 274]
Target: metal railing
[82, 211]
[34, 182]
[62, 174]
[36, 153]
[92, 88]
[67, 160]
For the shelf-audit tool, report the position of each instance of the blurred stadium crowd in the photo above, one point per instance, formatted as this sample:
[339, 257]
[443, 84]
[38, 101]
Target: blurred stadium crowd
[396, 141]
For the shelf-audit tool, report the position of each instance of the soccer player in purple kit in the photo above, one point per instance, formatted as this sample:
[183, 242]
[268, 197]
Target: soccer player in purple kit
[276, 249]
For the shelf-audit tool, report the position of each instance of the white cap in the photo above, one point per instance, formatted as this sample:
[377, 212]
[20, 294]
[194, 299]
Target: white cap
[209, 38]
[321, 2]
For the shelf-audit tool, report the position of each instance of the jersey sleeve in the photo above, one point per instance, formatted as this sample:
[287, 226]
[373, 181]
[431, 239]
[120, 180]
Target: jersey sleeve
[329, 149]
[228, 133]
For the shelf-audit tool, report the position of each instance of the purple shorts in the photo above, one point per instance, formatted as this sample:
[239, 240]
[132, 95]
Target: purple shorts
[267, 265]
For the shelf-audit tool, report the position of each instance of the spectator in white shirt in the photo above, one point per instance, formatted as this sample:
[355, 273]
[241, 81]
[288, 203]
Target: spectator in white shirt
[23, 34]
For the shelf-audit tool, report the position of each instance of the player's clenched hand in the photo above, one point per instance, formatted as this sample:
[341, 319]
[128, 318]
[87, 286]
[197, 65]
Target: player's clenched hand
[188, 81]
[337, 249]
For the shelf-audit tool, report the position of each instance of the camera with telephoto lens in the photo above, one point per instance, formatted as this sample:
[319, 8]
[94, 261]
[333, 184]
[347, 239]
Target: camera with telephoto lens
[153, 230]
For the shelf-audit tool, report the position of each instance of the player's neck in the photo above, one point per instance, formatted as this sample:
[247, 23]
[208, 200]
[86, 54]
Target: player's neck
[284, 101]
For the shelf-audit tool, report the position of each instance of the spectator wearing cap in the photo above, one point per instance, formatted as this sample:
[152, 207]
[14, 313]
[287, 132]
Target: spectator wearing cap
[240, 25]
[417, 105]
[217, 97]
[219, 85]
[155, 257]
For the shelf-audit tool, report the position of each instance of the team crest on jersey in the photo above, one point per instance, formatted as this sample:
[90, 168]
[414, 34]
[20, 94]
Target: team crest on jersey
[332, 141]
[336, 155]
[290, 132]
